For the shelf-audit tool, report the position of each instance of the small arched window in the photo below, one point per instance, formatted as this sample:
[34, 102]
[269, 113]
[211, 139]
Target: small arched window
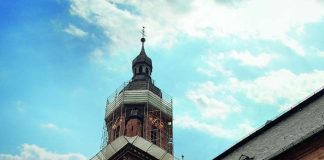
[147, 71]
[144, 69]
[140, 69]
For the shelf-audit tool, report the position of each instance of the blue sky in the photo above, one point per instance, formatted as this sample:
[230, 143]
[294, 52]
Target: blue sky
[229, 65]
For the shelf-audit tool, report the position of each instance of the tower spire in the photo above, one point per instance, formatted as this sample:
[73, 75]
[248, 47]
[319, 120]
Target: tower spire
[142, 64]
[138, 115]
[143, 40]
[143, 35]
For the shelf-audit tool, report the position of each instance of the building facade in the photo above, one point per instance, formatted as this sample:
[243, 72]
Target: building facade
[298, 134]
[138, 118]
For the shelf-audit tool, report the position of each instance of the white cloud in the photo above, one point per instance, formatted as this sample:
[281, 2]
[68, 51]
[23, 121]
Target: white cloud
[209, 105]
[213, 105]
[294, 46]
[166, 21]
[49, 126]
[75, 31]
[97, 56]
[216, 130]
[318, 51]
[216, 62]
[205, 71]
[120, 26]
[282, 88]
[110, 63]
[281, 85]
[246, 58]
[53, 127]
[34, 152]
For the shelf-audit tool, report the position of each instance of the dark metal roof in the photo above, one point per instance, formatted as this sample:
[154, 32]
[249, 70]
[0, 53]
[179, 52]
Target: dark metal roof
[272, 123]
[133, 151]
[142, 58]
[314, 140]
[143, 85]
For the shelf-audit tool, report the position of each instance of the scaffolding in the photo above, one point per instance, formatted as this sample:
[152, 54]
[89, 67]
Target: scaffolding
[153, 110]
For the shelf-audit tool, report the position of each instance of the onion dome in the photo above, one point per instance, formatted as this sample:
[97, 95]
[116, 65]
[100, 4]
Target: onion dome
[142, 57]
[142, 69]
[142, 65]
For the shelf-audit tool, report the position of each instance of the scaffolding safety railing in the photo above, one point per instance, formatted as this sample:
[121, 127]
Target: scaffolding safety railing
[162, 103]
[138, 96]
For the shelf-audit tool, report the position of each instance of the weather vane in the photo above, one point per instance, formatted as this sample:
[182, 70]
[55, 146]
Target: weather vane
[143, 35]
[143, 32]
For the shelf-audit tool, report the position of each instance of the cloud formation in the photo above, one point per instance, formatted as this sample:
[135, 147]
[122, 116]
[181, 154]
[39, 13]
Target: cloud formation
[262, 19]
[167, 22]
[211, 105]
[217, 62]
[281, 88]
[34, 152]
[53, 127]
[75, 31]
[213, 129]
[246, 58]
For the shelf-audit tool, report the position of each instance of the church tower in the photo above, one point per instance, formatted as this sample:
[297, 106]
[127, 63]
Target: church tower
[138, 118]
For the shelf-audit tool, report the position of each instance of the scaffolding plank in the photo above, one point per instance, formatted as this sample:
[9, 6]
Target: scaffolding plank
[139, 96]
[119, 143]
[156, 151]
[142, 144]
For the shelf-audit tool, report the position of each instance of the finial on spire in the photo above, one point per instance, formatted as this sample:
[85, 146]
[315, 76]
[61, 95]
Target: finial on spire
[143, 35]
